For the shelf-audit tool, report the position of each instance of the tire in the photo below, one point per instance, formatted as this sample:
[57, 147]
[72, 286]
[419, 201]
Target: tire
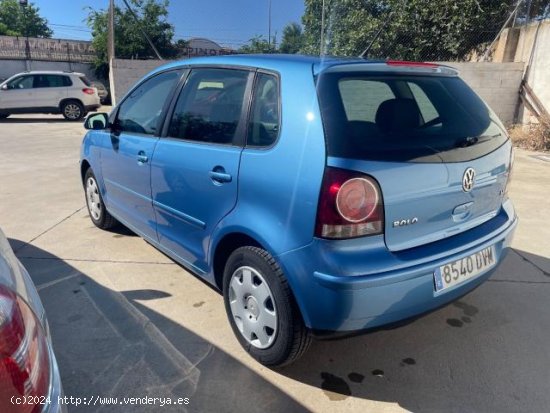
[261, 308]
[94, 201]
[4, 115]
[72, 110]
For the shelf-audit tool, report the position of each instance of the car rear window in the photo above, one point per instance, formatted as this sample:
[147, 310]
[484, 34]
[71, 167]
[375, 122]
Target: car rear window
[85, 80]
[406, 118]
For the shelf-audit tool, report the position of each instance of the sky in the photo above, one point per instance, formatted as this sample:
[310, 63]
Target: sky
[229, 23]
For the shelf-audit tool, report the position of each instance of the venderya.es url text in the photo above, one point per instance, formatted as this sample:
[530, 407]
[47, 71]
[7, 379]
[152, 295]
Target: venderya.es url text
[100, 401]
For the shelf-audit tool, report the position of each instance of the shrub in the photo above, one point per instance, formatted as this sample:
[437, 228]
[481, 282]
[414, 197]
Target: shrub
[535, 136]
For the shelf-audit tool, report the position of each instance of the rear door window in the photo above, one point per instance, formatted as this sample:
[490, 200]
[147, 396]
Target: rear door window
[41, 81]
[210, 106]
[411, 118]
[52, 80]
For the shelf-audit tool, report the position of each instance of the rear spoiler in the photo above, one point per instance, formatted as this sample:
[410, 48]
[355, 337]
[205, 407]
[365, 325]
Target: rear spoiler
[389, 66]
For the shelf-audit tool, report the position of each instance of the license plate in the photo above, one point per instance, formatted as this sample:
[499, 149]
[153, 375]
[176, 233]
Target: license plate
[456, 272]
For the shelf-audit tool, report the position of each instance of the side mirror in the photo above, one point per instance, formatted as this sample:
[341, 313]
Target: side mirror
[97, 121]
[4, 87]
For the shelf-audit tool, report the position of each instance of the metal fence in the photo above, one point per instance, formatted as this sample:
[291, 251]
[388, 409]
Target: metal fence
[459, 31]
[411, 34]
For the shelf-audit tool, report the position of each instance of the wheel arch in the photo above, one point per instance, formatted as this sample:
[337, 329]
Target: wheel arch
[84, 166]
[225, 247]
[66, 100]
[235, 238]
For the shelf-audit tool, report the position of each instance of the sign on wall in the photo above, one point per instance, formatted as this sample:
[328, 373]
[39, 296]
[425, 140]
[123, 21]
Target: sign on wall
[205, 47]
[59, 50]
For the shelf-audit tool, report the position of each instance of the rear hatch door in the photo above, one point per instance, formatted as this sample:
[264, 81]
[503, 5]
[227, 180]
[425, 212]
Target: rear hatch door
[440, 155]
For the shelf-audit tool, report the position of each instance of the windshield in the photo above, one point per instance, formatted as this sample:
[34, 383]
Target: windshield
[406, 118]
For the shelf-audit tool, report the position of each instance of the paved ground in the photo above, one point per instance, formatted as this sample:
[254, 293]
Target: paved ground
[127, 321]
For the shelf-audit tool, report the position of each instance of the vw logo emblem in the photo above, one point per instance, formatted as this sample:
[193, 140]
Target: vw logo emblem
[468, 179]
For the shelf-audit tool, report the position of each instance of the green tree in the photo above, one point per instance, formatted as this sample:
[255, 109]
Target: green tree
[16, 20]
[259, 45]
[181, 48]
[293, 39]
[129, 39]
[412, 29]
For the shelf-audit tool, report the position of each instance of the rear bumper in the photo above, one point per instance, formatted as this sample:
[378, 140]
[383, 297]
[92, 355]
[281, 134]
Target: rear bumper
[351, 285]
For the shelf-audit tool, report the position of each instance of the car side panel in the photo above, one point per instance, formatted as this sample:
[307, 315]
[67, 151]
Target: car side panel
[48, 96]
[17, 98]
[279, 186]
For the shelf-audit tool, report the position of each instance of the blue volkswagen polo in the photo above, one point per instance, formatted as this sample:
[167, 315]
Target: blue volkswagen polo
[322, 196]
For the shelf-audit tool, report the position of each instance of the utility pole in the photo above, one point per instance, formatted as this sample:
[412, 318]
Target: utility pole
[24, 4]
[111, 31]
[111, 49]
[322, 46]
[269, 26]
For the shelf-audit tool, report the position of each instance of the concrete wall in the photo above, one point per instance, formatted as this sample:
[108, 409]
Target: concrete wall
[532, 47]
[12, 67]
[496, 83]
[126, 72]
[506, 46]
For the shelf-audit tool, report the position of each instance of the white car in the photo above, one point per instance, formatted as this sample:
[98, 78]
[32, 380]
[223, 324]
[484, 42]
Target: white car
[68, 93]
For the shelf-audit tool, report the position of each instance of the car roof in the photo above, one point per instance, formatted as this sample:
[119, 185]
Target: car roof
[50, 72]
[264, 61]
[317, 64]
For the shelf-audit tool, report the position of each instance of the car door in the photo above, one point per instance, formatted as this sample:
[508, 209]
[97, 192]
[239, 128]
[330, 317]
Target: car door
[18, 93]
[54, 91]
[194, 172]
[47, 91]
[128, 148]
[44, 91]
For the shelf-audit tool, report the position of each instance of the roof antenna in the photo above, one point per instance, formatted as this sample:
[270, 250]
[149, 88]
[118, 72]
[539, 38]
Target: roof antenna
[376, 36]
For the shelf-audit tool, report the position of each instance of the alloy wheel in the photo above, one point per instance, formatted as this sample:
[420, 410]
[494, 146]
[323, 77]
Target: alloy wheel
[72, 111]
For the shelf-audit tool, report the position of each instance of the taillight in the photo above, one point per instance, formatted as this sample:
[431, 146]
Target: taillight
[350, 205]
[24, 357]
[407, 63]
[88, 91]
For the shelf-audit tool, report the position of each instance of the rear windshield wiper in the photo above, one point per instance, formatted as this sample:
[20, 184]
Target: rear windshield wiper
[472, 140]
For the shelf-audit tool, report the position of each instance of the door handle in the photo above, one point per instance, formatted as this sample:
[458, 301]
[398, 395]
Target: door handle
[142, 158]
[218, 175]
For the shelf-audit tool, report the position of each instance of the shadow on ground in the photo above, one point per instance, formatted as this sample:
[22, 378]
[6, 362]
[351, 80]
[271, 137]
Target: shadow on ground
[110, 345]
[486, 352]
